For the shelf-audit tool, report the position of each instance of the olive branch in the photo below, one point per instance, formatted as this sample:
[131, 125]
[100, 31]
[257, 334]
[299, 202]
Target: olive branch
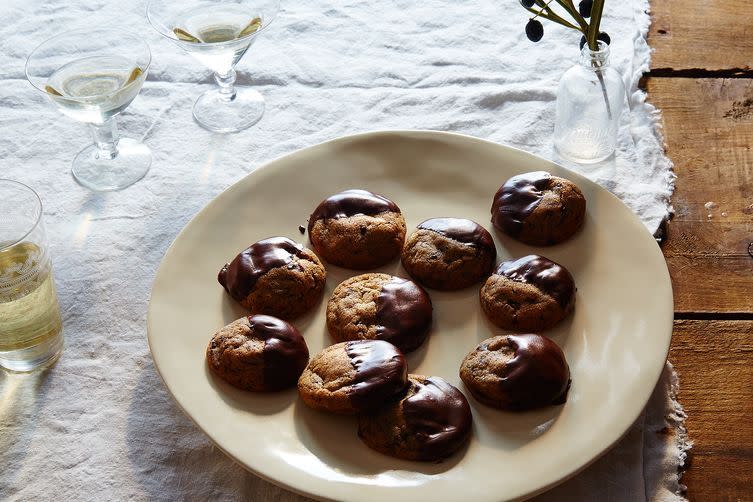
[585, 19]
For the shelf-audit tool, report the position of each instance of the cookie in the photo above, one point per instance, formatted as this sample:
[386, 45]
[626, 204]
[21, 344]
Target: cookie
[449, 253]
[531, 293]
[380, 307]
[352, 377]
[538, 208]
[432, 421]
[259, 353]
[275, 276]
[517, 372]
[357, 229]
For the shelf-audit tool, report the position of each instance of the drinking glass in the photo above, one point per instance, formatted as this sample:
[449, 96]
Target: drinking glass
[31, 332]
[218, 33]
[92, 76]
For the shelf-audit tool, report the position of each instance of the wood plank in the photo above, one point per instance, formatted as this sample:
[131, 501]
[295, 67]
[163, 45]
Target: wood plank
[708, 35]
[708, 125]
[713, 360]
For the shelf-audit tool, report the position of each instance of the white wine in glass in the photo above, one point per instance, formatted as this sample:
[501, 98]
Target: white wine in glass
[218, 33]
[94, 89]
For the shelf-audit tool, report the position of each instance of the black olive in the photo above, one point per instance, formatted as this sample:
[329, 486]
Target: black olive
[603, 37]
[534, 30]
[527, 3]
[584, 7]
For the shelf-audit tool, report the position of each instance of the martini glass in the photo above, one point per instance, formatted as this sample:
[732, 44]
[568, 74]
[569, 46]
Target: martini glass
[218, 33]
[91, 76]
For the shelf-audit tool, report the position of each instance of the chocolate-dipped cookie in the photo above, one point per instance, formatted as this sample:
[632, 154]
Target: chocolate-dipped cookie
[432, 421]
[449, 253]
[538, 208]
[380, 307]
[531, 293]
[258, 353]
[353, 377]
[357, 229]
[275, 276]
[517, 372]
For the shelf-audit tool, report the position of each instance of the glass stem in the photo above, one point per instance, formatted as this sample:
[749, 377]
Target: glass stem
[227, 84]
[106, 138]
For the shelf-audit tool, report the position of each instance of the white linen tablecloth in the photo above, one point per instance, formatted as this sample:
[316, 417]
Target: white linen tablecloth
[99, 425]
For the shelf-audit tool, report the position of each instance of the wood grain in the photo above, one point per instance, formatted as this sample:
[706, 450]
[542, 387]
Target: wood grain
[704, 36]
[708, 126]
[713, 359]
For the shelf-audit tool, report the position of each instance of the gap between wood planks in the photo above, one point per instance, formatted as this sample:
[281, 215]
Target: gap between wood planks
[699, 73]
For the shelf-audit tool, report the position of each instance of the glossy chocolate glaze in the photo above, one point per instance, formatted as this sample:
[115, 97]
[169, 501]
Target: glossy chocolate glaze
[537, 375]
[285, 352]
[240, 275]
[381, 373]
[404, 313]
[550, 277]
[461, 230]
[517, 199]
[351, 203]
[437, 416]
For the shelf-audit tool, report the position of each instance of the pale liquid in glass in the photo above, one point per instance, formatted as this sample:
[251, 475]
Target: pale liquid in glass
[217, 28]
[30, 324]
[93, 89]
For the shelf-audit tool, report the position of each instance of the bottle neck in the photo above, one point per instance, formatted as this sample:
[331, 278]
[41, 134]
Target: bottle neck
[595, 60]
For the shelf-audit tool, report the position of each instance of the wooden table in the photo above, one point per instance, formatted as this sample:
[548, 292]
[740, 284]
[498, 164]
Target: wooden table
[702, 81]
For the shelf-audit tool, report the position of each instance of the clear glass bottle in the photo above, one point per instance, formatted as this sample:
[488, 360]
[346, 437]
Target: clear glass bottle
[590, 99]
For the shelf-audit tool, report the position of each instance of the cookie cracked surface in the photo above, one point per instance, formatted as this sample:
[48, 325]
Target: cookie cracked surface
[531, 293]
[517, 372]
[275, 276]
[352, 377]
[380, 307]
[539, 209]
[431, 421]
[449, 253]
[357, 229]
[258, 353]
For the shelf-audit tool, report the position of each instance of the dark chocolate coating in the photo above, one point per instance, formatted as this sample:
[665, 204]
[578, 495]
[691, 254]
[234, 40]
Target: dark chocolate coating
[285, 352]
[462, 230]
[351, 203]
[404, 314]
[438, 416]
[517, 199]
[538, 374]
[381, 373]
[240, 275]
[551, 278]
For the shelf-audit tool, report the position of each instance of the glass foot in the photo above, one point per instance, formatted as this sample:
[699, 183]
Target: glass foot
[215, 112]
[102, 174]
